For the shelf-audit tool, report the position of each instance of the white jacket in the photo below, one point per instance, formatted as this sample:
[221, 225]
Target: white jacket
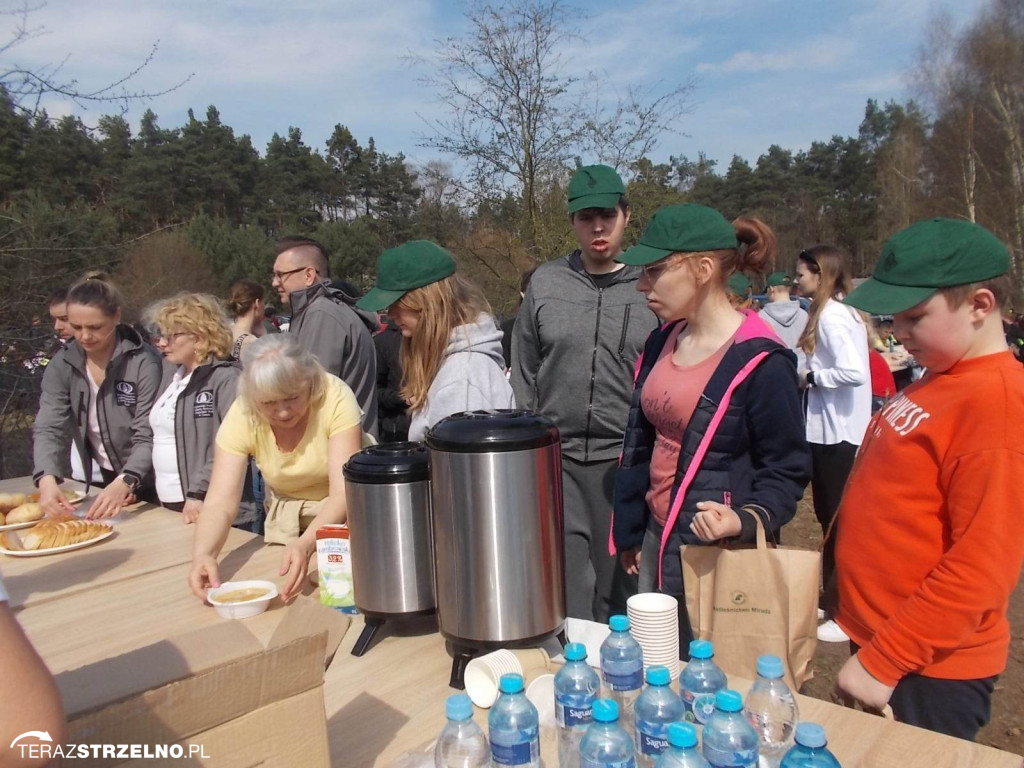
[472, 377]
[839, 403]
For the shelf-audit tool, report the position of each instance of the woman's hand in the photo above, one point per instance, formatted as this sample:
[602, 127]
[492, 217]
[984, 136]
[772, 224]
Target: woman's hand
[190, 512]
[715, 521]
[630, 560]
[110, 500]
[51, 499]
[203, 575]
[294, 566]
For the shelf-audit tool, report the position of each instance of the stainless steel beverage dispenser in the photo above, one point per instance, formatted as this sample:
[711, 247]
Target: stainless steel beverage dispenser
[496, 489]
[388, 492]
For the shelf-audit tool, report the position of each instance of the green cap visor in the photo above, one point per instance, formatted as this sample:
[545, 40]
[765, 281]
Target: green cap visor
[640, 255]
[878, 298]
[379, 299]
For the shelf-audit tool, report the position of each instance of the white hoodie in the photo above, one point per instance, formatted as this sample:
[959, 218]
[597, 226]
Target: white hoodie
[472, 377]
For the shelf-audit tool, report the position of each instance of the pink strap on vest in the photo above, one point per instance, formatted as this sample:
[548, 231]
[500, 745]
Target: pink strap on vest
[702, 449]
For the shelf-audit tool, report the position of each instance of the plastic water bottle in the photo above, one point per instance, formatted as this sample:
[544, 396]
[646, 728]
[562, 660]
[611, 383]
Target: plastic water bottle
[771, 709]
[729, 740]
[606, 743]
[810, 751]
[622, 668]
[682, 749]
[657, 707]
[462, 744]
[514, 725]
[576, 688]
[699, 681]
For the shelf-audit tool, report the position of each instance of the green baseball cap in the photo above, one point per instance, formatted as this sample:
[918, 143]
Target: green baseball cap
[595, 186]
[399, 270]
[739, 284]
[779, 278]
[926, 256]
[684, 228]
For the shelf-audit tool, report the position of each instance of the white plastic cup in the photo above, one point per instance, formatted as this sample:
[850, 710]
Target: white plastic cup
[483, 673]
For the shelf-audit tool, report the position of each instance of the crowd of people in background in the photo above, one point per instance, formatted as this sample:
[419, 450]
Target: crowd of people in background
[690, 412]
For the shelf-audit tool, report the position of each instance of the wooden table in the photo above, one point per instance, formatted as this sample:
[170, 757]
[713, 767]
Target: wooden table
[391, 700]
[130, 592]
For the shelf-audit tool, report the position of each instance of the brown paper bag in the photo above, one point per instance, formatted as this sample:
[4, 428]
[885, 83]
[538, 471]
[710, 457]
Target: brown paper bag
[751, 601]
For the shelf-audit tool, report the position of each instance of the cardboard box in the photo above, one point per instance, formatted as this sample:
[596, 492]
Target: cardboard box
[219, 693]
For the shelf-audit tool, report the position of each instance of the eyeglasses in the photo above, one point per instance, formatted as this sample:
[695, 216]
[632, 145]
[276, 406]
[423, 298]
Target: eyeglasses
[653, 271]
[280, 276]
[172, 337]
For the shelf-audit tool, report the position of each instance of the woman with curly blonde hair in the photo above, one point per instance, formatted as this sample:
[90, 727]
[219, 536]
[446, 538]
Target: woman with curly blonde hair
[451, 348]
[197, 390]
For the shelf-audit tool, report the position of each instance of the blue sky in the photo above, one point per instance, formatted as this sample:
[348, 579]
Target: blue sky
[768, 72]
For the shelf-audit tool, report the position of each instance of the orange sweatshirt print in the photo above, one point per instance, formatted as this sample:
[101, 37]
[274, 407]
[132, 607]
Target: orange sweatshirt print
[931, 530]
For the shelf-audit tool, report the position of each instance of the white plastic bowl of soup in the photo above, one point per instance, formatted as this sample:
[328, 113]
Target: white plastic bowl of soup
[241, 599]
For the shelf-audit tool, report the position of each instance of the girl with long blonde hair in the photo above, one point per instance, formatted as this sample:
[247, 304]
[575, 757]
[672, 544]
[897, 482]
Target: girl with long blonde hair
[838, 395]
[451, 348]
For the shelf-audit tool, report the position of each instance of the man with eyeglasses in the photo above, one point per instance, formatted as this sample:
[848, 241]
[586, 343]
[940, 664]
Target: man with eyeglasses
[575, 343]
[326, 321]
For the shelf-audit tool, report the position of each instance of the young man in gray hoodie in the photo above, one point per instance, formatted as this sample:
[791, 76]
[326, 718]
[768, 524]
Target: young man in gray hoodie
[579, 332]
[784, 314]
[326, 321]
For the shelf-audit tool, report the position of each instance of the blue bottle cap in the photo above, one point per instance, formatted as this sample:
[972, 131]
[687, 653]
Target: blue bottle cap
[810, 735]
[619, 623]
[728, 700]
[606, 711]
[458, 707]
[701, 649]
[575, 652]
[682, 735]
[658, 675]
[770, 667]
[511, 683]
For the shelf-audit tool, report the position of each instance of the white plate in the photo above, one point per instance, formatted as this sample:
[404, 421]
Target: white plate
[76, 496]
[19, 526]
[55, 550]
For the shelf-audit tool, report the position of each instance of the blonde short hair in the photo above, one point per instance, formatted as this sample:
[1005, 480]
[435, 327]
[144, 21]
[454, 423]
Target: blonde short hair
[275, 367]
[200, 314]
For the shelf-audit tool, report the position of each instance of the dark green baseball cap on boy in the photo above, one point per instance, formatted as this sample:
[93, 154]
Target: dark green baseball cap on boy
[776, 279]
[739, 284]
[400, 270]
[595, 186]
[684, 228]
[926, 256]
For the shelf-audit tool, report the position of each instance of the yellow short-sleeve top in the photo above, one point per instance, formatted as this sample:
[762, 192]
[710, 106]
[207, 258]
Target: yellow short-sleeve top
[302, 472]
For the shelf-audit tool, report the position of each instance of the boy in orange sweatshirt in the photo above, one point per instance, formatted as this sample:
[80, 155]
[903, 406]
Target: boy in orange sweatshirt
[930, 547]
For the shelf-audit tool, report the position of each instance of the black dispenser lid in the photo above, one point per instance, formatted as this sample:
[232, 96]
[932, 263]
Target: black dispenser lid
[492, 431]
[389, 463]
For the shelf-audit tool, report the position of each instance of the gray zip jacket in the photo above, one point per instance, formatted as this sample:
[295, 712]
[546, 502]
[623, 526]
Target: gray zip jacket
[326, 321]
[472, 377]
[198, 412]
[125, 397]
[574, 350]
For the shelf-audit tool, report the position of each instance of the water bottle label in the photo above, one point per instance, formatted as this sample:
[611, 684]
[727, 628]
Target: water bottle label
[623, 675]
[520, 747]
[653, 737]
[740, 758]
[589, 763]
[699, 707]
[574, 711]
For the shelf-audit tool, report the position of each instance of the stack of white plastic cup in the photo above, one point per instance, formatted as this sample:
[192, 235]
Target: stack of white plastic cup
[654, 623]
[483, 673]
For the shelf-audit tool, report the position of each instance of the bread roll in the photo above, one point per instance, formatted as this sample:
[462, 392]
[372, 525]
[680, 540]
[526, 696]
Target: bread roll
[9, 501]
[26, 513]
[60, 532]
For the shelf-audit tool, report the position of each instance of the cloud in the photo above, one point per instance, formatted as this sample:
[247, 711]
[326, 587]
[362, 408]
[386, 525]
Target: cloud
[825, 52]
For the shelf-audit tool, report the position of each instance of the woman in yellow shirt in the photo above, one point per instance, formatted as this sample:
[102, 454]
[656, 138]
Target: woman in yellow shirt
[301, 425]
